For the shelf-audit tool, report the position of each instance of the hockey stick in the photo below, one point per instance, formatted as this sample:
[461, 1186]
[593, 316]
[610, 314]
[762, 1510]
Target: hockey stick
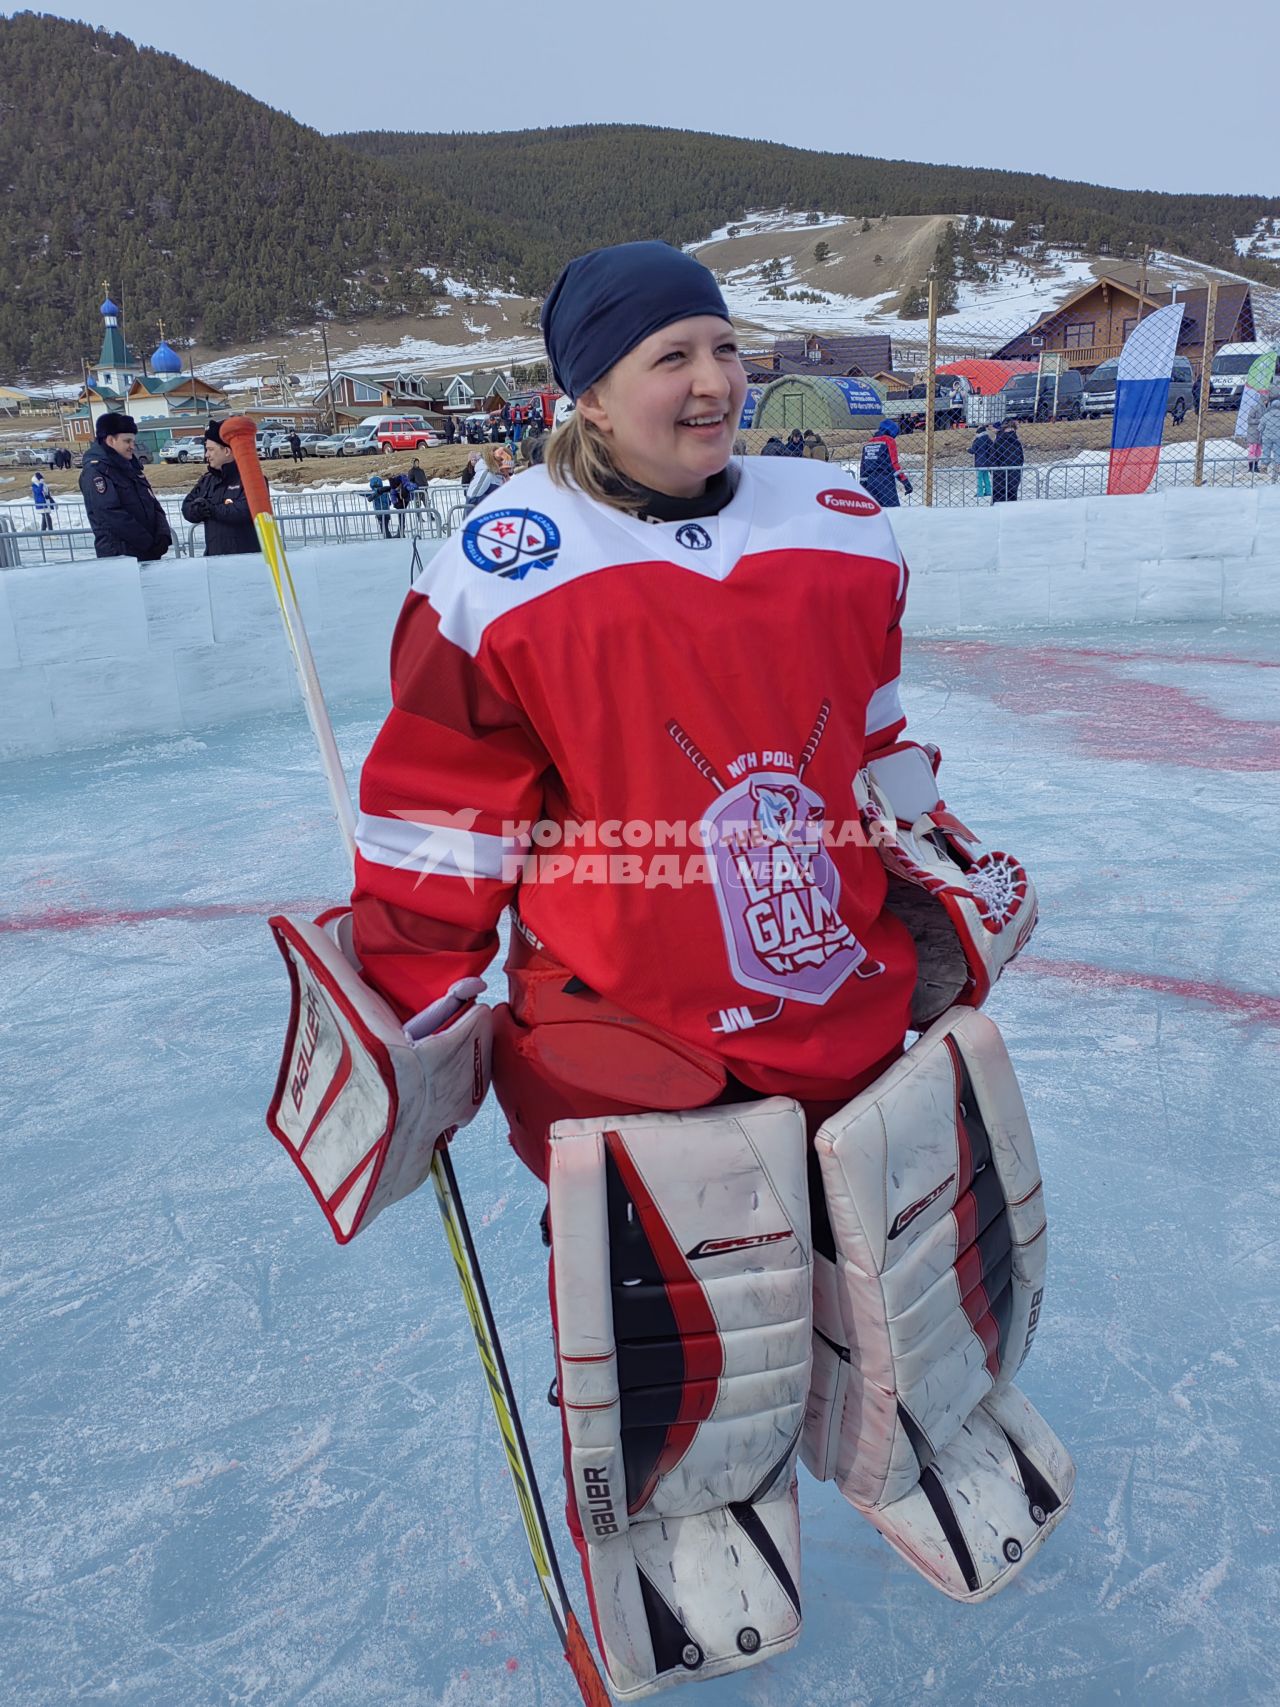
[240, 433]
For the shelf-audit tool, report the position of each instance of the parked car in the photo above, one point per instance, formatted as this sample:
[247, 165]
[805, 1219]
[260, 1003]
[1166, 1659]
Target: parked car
[1228, 370]
[272, 444]
[183, 450]
[908, 410]
[1029, 396]
[355, 441]
[1100, 389]
[309, 441]
[478, 426]
[406, 432]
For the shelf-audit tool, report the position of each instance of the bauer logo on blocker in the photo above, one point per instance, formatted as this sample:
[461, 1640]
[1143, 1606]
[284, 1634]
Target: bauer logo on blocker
[511, 542]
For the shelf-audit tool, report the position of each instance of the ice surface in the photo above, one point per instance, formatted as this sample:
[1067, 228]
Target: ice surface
[241, 1465]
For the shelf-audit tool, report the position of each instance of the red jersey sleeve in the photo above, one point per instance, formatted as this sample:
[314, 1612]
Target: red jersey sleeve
[886, 719]
[453, 781]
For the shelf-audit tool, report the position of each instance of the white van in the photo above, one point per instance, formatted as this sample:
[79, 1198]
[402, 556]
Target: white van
[1227, 374]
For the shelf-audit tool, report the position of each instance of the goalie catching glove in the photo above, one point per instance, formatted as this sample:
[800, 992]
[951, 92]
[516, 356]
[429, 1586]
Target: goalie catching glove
[969, 911]
[361, 1100]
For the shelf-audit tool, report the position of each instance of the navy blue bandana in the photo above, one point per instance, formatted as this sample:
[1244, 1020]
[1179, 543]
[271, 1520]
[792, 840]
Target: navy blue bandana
[606, 302]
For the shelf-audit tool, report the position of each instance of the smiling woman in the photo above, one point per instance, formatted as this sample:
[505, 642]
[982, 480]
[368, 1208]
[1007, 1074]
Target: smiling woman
[639, 336]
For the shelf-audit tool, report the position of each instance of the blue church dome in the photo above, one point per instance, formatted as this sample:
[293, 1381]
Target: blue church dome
[109, 307]
[165, 359]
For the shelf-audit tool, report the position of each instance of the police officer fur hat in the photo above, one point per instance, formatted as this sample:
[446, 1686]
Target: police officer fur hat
[109, 425]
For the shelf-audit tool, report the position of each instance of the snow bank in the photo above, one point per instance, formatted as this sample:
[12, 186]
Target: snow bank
[93, 652]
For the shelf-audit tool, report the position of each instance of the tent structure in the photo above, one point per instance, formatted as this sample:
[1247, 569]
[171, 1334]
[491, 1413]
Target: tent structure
[985, 375]
[823, 404]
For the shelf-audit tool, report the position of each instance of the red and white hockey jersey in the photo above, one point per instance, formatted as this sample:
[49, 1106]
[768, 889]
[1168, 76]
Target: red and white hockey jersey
[645, 735]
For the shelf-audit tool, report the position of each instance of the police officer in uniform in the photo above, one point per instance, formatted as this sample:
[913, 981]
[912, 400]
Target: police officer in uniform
[123, 511]
[218, 500]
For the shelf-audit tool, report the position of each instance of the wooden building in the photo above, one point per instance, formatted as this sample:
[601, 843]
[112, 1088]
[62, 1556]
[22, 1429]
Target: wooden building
[828, 358]
[1093, 323]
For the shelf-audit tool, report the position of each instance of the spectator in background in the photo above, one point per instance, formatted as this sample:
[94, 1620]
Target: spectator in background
[1253, 431]
[379, 495]
[1269, 435]
[878, 468]
[402, 490]
[295, 445]
[535, 442]
[124, 513]
[418, 477]
[218, 501]
[773, 446]
[980, 450]
[44, 501]
[815, 446]
[795, 443]
[487, 478]
[1006, 464]
[450, 432]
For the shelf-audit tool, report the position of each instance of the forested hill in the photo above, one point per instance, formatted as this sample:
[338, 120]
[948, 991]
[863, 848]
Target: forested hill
[229, 219]
[198, 203]
[592, 184]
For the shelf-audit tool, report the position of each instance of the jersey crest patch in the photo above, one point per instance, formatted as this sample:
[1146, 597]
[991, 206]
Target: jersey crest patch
[848, 503]
[776, 888]
[693, 537]
[511, 542]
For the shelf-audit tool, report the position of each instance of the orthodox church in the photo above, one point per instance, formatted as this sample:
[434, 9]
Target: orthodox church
[154, 391]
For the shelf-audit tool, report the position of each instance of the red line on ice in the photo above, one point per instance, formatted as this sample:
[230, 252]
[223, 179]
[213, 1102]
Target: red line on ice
[1113, 717]
[98, 918]
[1241, 1004]
[1168, 657]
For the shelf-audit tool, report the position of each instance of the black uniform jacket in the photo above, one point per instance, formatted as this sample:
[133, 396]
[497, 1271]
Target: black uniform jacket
[124, 512]
[218, 500]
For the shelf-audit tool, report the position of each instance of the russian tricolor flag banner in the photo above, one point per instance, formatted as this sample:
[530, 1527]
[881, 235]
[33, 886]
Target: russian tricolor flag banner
[1142, 396]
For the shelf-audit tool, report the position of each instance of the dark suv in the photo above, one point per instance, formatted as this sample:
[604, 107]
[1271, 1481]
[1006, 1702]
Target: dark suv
[1100, 389]
[1029, 396]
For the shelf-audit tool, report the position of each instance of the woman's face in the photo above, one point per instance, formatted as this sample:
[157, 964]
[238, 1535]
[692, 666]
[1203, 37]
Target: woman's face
[670, 408]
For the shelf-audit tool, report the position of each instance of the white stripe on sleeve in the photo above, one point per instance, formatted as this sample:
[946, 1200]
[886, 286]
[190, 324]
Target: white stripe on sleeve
[451, 849]
[884, 707]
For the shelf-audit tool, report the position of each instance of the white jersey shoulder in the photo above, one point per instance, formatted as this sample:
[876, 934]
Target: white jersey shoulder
[803, 504]
[532, 537]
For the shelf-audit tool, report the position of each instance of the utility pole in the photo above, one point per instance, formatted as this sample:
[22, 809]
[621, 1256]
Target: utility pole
[333, 413]
[930, 384]
[1206, 362]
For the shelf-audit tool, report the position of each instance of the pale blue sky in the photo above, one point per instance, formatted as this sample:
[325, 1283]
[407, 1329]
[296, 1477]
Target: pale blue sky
[1158, 97]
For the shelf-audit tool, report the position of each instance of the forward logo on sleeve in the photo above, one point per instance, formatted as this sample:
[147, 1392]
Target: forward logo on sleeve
[511, 542]
[847, 503]
[693, 537]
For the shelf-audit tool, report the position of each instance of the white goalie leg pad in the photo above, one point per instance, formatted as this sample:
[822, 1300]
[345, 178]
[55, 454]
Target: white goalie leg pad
[969, 910]
[358, 1105]
[928, 1281]
[683, 1305]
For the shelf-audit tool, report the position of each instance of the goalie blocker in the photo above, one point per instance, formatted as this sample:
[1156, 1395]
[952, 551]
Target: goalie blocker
[969, 911]
[681, 1289]
[359, 1104]
[928, 1281]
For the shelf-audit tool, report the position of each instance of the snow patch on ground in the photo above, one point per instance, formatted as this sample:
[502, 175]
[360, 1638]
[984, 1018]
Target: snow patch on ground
[776, 219]
[1266, 234]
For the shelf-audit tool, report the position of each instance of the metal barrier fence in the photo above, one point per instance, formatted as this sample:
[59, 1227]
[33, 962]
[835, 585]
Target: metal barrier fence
[957, 488]
[306, 518]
